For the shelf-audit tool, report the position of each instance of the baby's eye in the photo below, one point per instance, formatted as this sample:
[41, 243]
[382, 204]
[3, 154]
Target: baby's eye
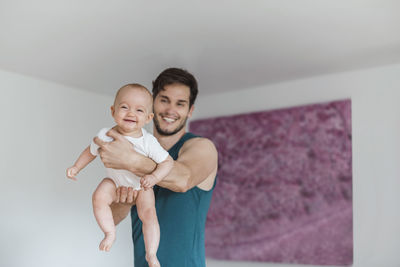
[124, 107]
[140, 110]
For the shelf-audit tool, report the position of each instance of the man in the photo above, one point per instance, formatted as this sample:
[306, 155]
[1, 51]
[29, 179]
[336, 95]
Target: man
[183, 197]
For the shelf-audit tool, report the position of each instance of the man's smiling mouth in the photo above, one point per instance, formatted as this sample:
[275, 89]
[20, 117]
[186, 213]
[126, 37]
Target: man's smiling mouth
[169, 120]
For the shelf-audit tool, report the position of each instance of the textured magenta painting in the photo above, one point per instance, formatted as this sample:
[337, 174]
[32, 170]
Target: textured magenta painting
[284, 188]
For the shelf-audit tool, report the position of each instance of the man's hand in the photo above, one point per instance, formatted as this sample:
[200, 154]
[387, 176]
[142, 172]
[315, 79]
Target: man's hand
[126, 195]
[126, 198]
[120, 154]
[117, 154]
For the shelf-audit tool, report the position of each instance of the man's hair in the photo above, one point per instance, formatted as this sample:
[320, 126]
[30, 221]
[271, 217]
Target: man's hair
[176, 76]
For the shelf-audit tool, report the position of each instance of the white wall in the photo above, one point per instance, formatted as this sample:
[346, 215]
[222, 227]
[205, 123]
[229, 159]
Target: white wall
[375, 95]
[47, 219]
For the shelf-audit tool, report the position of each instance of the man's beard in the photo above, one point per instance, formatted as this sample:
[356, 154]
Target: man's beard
[166, 133]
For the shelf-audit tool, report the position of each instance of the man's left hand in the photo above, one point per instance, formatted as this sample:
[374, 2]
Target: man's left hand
[118, 154]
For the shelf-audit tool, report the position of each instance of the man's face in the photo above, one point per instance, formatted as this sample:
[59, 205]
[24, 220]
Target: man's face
[171, 109]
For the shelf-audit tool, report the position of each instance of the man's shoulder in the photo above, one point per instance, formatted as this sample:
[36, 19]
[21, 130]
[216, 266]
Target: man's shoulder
[198, 143]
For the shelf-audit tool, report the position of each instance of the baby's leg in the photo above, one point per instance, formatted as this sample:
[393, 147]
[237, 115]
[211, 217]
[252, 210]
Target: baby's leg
[145, 205]
[104, 195]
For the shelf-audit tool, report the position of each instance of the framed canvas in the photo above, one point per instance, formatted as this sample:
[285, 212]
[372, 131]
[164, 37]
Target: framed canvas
[284, 185]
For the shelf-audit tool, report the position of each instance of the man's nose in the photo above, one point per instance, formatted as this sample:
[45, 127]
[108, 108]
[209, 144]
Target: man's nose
[169, 108]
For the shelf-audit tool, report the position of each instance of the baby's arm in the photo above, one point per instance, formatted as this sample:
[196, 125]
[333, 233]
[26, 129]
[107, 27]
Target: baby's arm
[162, 170]
[84, 159]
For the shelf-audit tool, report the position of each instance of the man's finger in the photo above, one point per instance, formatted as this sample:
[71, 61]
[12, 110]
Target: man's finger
[99, 142]
[118, 192]
[135, 194]
[114, 134]
[129, 199]
[123, 195]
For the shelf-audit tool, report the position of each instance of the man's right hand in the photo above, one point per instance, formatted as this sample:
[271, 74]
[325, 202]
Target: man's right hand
[126, 198]
[120, 154]
[126, 195]
[117, 154]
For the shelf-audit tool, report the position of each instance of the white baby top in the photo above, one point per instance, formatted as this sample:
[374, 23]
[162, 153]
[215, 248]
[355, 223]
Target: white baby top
[146, 145]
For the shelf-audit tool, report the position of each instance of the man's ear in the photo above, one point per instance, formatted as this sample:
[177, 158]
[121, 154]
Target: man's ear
[191, 111]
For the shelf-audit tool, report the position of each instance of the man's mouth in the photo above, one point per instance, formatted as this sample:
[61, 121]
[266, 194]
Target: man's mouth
[168, 119]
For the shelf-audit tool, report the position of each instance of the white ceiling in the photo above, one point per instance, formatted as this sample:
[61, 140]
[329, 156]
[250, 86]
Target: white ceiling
[229, 45]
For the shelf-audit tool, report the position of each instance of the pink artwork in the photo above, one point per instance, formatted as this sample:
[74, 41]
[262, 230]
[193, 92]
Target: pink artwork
[284, 188]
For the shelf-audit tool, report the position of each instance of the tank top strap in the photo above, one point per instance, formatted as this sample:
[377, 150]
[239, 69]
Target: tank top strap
[174, 150]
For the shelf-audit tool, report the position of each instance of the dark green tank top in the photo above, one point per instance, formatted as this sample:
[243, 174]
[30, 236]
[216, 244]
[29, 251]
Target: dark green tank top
[182, 218]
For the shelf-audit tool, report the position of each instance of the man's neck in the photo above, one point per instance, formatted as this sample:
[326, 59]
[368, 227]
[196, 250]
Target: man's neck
[167, 141]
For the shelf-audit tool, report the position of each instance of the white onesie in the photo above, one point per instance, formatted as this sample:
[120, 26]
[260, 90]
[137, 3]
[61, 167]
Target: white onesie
[146, 145]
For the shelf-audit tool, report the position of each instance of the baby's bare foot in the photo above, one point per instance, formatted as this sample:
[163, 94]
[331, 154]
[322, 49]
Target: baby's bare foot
[152, 261]
[107, 242]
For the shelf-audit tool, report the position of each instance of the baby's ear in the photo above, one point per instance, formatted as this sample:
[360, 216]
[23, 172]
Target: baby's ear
[149, 117]
[112, 110]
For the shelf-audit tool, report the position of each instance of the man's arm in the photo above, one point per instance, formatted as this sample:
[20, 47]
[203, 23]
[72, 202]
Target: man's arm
[163, 168]
[196, 165]
[119, 154]
[197, 162]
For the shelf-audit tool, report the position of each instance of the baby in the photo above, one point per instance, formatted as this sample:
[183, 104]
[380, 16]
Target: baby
[132, 109]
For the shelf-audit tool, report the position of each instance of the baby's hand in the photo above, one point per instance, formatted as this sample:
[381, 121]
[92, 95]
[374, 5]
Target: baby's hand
[72, 172]
[148, 181]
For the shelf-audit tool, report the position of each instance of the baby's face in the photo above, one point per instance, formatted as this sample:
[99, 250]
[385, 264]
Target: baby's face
[132, 110]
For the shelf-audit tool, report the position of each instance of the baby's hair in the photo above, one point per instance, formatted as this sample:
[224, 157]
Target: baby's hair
[135, 86]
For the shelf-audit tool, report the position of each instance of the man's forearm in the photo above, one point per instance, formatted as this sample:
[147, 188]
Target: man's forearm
[142, 166]
[177, 179]
[119, 212]
[198, 161]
